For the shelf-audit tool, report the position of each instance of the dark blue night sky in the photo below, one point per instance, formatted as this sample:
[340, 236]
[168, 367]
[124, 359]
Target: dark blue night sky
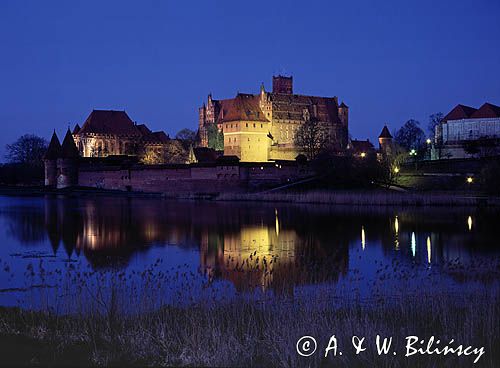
[389, 61]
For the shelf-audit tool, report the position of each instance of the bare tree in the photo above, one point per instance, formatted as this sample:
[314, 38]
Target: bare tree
[434, 119]
[410, 135]
[27, 149]
[187, 135]
[311, 138]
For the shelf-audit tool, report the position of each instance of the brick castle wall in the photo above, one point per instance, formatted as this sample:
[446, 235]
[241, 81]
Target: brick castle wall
[178, 179]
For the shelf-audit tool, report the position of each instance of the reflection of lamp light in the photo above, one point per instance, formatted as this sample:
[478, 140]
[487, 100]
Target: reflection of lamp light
[363, 242]
[429, 249]
[277, 222]
[469, 222]
[413, 244]
[396, 229]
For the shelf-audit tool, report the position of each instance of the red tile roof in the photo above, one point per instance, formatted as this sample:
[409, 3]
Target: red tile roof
[486, 111]
[459, 112]
[118, 123]
[285, 107]
[242, 107]
[291, 107]
[109, 122]
[143, 129]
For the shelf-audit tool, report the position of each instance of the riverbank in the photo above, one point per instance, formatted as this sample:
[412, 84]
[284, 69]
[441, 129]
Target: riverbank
[371, 197]
[256, 333]
[368, 198]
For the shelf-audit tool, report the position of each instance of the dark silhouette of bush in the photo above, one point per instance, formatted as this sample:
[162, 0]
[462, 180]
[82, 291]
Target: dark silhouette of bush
[490, 177]
[21, 174]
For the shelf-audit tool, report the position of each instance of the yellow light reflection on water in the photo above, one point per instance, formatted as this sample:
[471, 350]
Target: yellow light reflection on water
[363, 239]
[396, 230]
[469, 222]
[277, 222]
[413, 244]
[429, 249]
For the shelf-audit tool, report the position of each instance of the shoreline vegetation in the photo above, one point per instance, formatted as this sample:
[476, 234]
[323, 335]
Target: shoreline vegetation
[254, 334]
[373, 197]
[161, 316]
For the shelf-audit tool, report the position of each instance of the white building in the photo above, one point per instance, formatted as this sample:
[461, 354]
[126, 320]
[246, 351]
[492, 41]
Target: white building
[467, 132]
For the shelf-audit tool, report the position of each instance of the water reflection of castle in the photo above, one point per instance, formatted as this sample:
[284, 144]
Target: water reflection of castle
[249, 245]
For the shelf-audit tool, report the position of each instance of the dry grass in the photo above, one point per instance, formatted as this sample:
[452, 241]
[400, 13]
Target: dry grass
[127, 324]
[265, 334]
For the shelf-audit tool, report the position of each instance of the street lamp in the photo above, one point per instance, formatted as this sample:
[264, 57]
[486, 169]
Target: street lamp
[413, 153]
[363, 155]
[396, 169]
[470, 180]
[428, 141]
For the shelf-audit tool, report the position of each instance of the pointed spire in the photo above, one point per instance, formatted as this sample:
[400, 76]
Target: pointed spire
[385, 133]
[76, 129]
[68, 148]
[262, 89]
[54, 149]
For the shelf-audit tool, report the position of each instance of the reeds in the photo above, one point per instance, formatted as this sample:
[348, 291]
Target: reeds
[371, 198]
[178, 317]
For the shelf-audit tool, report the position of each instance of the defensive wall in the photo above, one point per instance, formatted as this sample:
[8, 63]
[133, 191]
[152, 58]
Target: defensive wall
[190, 178]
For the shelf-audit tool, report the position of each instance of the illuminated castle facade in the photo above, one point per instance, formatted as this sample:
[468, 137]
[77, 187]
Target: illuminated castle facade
[262, 127]
[109, 133]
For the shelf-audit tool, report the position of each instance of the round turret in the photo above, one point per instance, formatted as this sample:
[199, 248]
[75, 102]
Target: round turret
[67, 164]
[50, 161]
[385, 141]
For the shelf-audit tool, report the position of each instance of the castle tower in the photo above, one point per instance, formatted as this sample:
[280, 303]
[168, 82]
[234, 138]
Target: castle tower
[67, 163]
[385, 141]
[282, 84]
[50, 161]
[343, 113]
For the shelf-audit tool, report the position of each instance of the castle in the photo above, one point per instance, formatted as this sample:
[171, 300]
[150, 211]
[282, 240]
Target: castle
[66, 167]
[263, 127]
[109, 136]
[107, 133]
